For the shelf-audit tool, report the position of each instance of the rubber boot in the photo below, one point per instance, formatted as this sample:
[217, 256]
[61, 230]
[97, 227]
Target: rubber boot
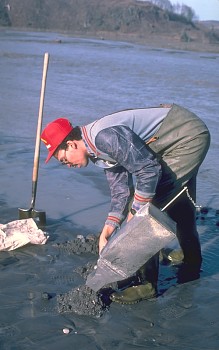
[147, 275]
[173, 256]
[183, 212]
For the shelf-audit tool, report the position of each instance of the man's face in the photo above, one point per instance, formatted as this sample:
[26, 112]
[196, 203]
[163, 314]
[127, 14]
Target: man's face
[74, 156]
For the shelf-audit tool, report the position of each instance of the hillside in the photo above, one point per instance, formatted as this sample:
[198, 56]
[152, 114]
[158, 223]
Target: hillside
[129, 20]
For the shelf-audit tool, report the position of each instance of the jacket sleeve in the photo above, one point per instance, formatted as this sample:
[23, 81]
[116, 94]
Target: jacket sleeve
[134, 159]
[122, 190]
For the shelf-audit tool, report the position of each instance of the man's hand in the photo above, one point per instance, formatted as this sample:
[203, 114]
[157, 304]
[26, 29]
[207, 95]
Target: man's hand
[105, 234]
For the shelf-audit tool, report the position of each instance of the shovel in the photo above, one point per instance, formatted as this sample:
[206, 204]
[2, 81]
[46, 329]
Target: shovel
[40, 216]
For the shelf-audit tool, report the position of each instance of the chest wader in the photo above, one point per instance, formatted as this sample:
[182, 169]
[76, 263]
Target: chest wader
[181, 145]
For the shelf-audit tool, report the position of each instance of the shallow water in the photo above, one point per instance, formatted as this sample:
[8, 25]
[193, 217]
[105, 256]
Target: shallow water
[88, 79]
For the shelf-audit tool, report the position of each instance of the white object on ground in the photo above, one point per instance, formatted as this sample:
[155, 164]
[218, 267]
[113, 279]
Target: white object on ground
[18, 233]
[66, 330]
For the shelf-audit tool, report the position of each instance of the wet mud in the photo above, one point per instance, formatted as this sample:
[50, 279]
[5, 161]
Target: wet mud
[46, 303]
[82, 300]
[82, 244]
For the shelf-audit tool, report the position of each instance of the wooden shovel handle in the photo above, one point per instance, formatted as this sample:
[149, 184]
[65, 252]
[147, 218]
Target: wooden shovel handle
[40, 118]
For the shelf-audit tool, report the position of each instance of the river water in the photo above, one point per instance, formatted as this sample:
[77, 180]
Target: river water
[88, 78]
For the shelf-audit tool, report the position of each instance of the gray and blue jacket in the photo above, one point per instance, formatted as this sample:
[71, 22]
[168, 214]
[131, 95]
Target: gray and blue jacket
[117, 143]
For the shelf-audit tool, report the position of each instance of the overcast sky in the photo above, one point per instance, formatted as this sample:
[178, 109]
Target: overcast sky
[204, 9]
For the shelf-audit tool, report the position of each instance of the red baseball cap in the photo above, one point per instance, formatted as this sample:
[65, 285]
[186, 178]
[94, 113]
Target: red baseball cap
[54, 133]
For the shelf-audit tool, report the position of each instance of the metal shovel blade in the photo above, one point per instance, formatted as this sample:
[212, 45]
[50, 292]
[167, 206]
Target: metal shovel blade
[39, 216]
[129, 248]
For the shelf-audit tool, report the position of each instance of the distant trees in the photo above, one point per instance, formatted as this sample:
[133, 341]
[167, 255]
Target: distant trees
[163, 4]
[185, 11]
[182, 10]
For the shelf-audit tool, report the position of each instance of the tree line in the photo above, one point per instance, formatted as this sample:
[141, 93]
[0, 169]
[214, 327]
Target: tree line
[182, 10]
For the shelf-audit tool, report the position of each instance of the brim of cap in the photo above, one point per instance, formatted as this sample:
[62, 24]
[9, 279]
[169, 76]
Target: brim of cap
[50, 156]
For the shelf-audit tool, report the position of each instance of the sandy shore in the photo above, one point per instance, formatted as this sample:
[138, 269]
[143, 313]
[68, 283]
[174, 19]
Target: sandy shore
[156, 41]
[153, 41]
